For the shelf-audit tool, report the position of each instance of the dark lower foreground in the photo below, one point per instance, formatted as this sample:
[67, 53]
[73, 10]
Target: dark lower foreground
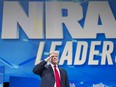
[15, 81]
[6, 84]
[35, 82]
[82, 84]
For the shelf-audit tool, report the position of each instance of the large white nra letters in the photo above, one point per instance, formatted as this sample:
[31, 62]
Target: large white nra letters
[35, 23]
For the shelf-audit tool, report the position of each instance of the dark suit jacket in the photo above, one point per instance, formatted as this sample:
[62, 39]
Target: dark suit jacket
[47, 75]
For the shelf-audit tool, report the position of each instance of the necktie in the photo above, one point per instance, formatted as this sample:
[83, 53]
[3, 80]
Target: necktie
[57, 77]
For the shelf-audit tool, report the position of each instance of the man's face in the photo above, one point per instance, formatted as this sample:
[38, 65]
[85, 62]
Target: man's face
[54, 58]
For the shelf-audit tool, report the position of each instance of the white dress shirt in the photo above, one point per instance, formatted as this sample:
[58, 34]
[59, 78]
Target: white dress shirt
[54, 72]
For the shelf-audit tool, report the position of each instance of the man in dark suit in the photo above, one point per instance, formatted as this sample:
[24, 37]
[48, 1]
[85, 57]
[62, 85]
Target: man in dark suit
[51, 75]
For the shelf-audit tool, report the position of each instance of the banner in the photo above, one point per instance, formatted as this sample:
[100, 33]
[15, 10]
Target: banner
[83, 31]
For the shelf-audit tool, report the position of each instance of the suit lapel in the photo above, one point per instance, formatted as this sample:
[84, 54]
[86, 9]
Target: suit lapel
[61, 75]
[51, 70]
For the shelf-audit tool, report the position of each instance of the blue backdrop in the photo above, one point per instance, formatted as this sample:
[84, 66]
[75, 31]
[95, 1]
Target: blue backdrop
[19, 55]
